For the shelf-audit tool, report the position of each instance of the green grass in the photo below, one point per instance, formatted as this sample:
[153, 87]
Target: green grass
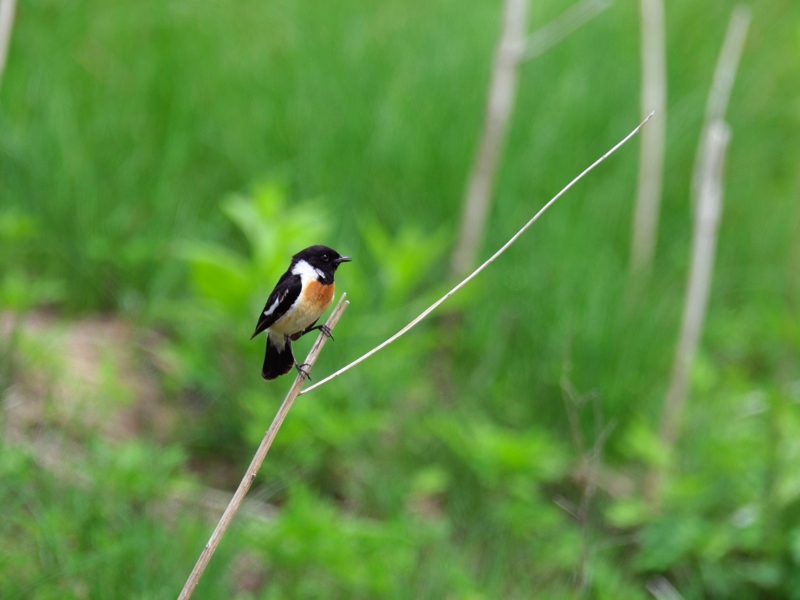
[125, 125]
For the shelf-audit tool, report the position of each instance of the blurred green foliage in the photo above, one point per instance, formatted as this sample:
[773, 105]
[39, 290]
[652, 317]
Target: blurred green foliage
[95, 537]
[19, 290]
[500, 459]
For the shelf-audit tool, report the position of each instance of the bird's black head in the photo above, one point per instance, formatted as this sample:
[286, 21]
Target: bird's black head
[322, 258]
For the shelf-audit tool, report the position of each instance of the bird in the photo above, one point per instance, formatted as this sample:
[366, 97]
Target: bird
[293, 308]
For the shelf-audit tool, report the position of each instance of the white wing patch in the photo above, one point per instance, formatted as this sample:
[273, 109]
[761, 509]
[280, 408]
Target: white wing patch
[271, 309]
[278, 300]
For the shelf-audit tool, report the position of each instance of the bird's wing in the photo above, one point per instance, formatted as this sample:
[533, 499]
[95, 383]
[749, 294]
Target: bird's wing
[282, 297]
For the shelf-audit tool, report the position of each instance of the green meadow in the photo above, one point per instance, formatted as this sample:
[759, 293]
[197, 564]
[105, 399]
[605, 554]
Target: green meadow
[160, 162]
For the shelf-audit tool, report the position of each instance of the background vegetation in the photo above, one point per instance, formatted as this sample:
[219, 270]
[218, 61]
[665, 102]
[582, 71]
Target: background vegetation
[161, 160]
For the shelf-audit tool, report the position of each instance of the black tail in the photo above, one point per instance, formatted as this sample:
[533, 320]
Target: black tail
[278, 359]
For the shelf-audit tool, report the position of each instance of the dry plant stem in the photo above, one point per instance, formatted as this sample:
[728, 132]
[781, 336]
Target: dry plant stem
[591, 465]
[7, 8]
[502, 90]
[261, 453]
[651, 163]
[704, 243]
[512, 49]
[494, 256]
[724, 75]
[569, 21]
[707, 200]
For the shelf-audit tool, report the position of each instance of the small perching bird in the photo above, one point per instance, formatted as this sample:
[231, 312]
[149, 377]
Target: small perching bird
[300, 297]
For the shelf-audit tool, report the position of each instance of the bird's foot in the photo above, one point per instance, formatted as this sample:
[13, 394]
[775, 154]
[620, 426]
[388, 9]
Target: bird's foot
[303, 373]
[326, 331]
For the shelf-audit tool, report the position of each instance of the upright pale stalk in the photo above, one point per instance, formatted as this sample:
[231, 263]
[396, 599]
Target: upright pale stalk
[502, 92]
[651, 161]
[707, 185]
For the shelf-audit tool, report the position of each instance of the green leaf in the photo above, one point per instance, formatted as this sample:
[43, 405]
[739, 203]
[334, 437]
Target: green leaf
[641, 442]
[219, 274]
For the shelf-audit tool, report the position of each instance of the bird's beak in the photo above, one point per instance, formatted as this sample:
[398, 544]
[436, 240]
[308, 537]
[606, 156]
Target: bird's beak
[342, 259]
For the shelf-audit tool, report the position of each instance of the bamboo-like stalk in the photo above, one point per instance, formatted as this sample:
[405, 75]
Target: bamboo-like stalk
[258, 459]
[651, 162]
[720, 93]
[704, 242]
[502, 91]
[512, 50]
[707, 202]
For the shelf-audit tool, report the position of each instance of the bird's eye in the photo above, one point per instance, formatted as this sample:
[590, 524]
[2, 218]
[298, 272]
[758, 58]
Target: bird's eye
[325, 258]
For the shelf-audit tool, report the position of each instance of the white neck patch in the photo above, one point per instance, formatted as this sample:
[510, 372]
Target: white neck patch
[307, 272]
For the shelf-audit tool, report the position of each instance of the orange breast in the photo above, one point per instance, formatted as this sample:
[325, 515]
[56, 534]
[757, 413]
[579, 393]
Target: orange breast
[314, 300]
[318, 295]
